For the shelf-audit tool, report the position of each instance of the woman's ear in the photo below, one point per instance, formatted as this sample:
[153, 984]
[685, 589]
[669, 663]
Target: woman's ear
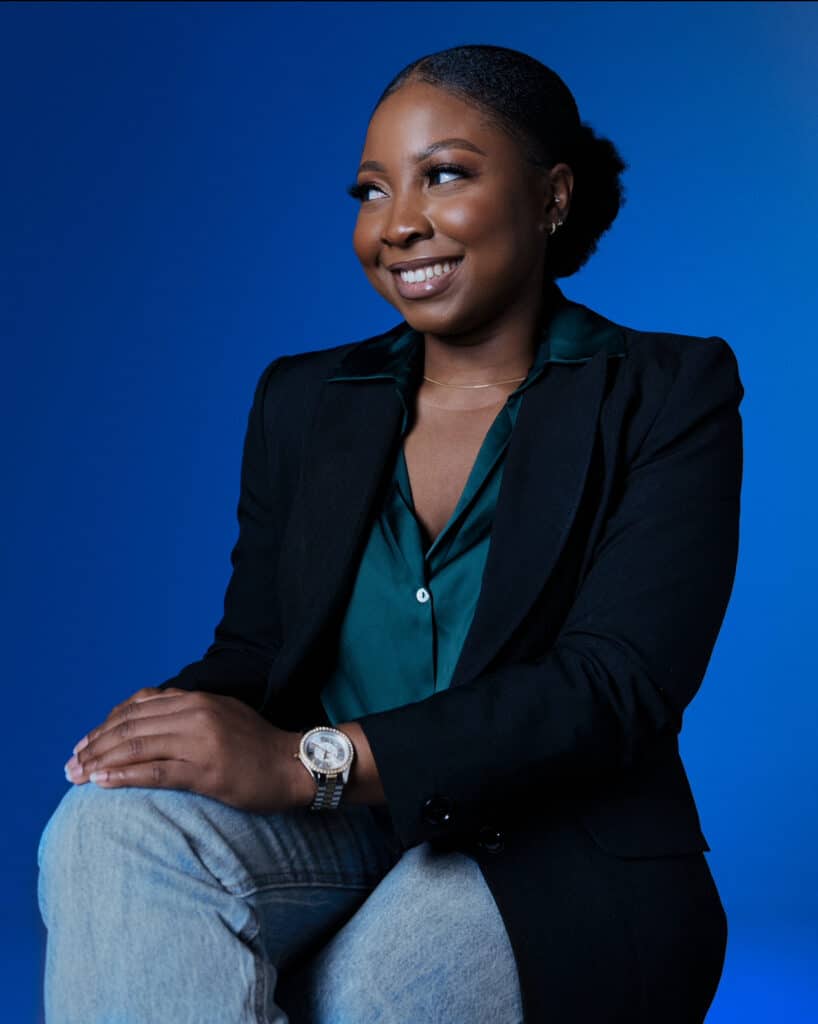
[558, 203]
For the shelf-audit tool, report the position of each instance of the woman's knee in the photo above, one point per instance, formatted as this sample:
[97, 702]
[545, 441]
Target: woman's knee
[88, 837]
[73, 839]
[88, 820]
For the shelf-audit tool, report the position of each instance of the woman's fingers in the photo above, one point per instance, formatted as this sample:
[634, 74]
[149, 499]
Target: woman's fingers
[148, 702]
[167, 774]
[146, 693]
[140, 703]
[138, 750]
[128, 738]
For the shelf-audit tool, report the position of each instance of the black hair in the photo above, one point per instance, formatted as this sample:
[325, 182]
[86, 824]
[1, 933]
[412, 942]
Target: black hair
[532, 103]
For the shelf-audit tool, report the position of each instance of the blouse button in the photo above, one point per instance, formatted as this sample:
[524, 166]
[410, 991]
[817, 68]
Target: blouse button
[422, 595]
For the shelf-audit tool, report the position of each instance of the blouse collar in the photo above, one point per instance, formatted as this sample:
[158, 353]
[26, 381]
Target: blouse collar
[572, 334]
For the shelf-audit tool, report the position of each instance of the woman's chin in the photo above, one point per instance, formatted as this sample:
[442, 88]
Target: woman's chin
[454, 325]
[437, 318]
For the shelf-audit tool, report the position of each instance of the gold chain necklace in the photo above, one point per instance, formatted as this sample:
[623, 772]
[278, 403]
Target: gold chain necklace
[443, 384]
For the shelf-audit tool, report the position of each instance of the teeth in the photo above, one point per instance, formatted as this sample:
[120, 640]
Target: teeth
[427, 273]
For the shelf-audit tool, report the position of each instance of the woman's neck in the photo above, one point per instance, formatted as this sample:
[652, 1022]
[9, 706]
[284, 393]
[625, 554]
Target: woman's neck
[498, 354]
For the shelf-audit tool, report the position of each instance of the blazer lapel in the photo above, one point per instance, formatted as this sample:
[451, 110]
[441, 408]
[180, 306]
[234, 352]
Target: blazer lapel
[546, 465]
[349, 451]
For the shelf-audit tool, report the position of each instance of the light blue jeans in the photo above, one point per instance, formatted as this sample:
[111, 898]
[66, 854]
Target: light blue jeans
[164, 907]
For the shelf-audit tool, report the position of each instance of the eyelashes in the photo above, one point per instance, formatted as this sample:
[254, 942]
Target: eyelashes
[358, 191]
[361, 191]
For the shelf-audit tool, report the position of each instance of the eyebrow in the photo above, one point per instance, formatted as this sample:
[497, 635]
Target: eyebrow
[373, 165]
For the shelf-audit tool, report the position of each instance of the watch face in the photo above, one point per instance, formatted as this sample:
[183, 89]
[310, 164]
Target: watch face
[327, 751]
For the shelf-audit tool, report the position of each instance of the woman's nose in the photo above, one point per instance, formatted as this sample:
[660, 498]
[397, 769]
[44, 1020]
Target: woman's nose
[405, 222]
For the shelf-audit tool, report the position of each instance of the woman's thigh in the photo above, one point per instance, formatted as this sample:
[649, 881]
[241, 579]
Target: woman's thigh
[153, 900]
[427, 945]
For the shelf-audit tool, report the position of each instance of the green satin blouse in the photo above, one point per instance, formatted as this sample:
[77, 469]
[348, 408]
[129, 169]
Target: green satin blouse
[410, 608]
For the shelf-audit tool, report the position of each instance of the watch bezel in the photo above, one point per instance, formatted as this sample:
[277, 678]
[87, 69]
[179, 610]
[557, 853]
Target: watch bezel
[346, 742]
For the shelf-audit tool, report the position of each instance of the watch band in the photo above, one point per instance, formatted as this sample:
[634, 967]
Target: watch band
[328, 794]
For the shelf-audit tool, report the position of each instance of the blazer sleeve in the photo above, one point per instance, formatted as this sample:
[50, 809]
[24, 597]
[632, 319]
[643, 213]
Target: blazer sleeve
[247, 637]
[632, 651]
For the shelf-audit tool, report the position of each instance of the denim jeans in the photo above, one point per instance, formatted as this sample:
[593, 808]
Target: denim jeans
[165, 907]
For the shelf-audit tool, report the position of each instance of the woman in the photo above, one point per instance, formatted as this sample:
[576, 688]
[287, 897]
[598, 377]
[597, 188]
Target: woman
[491, 549]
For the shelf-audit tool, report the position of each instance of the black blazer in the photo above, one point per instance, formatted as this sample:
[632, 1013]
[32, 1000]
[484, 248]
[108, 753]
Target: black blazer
[611, 563]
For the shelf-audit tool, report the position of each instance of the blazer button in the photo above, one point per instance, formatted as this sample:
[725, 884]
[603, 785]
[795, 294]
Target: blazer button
[491, 839]
[437, 810]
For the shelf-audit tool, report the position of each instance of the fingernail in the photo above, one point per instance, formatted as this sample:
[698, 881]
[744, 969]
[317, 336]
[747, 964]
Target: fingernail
[72, 767]
[83, 743]
[99, 776]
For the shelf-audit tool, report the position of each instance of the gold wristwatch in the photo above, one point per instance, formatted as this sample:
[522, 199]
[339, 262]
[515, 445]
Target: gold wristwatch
[327, 754]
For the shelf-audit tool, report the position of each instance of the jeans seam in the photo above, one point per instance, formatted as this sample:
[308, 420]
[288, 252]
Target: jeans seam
[261, 988]
[254, 889]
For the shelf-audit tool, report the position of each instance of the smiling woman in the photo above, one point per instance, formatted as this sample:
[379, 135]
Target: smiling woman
[428, 770]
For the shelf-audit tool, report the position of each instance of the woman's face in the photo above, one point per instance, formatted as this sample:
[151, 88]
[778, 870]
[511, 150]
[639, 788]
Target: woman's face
[452, 200]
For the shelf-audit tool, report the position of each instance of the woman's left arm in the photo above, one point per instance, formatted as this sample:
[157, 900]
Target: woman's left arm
[632, 651]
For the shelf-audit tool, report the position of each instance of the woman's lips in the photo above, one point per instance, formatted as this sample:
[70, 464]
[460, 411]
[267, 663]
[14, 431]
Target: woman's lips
[430, 286]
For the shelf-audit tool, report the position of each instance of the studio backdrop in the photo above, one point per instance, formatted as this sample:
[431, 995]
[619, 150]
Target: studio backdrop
[173, 216]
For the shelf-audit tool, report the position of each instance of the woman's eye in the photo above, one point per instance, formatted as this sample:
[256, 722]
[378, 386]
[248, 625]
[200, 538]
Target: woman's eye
[367, 189]
[361, 192]
[440, 175]
[446, 172]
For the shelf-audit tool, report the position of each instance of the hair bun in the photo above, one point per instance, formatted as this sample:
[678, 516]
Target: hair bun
[597, 198]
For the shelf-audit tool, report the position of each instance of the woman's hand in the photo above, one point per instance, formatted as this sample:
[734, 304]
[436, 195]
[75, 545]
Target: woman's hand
[201, 742]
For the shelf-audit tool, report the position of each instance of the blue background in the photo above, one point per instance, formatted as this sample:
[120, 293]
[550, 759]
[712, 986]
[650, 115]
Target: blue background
[173, 216]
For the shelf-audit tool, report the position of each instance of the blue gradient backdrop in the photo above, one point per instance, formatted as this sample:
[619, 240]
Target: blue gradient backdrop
[173, 216]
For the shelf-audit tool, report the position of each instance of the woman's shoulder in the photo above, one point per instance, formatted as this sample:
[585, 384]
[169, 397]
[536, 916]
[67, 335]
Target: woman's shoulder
[313, 365]
[672, 352]
[656, 361]
[664, 349]
[288, 388]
